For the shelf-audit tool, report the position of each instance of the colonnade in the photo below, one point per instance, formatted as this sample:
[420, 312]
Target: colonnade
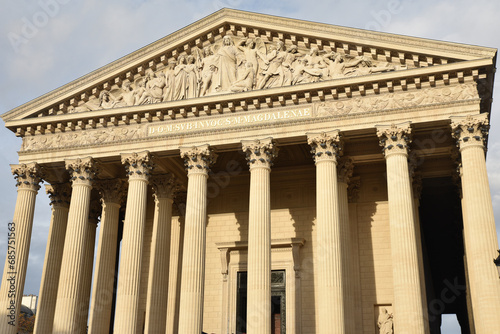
[65, 297]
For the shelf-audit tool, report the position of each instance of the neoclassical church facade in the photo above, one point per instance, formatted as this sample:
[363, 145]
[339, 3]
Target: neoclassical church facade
[258, 174]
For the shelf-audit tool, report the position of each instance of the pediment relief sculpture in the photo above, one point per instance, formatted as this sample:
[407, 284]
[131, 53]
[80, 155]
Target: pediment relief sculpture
[233, 64]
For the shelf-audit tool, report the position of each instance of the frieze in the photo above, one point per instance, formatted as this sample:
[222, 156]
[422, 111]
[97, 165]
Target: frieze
[398, 100]
[271, 117]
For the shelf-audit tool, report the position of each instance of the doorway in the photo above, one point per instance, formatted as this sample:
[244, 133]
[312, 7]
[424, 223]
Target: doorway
[278, 302]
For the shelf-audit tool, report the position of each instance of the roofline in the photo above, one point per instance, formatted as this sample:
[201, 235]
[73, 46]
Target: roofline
[226, 15]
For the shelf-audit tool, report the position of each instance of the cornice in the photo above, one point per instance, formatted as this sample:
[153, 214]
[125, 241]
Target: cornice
[229, 19]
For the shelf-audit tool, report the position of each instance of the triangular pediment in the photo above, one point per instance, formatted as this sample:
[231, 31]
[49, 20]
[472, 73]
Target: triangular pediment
[236, 52]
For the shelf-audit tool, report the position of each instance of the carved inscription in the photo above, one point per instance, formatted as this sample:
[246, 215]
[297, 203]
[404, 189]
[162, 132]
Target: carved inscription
[228, 121]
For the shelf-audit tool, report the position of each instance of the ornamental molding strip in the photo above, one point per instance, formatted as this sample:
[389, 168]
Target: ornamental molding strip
[232, 51]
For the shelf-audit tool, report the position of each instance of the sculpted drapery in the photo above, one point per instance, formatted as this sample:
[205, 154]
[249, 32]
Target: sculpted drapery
[225, 66]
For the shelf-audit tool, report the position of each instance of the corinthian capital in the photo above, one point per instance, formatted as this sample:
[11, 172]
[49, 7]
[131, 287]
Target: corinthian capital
[325, 145]
[345, 169]
[28, 176]
[260, 152]
[59, 194]
[394, 138]
[164, 186]
[112, 190]
[138, 165]
[198, 159]
[82, 171]
[470, 130]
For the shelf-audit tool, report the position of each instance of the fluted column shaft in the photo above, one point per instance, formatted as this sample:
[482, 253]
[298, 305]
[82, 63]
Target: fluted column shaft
[345, 170]
[479, 223]
[112, 192]
[408, 304]
[129, 277]
[18, 246]
[69, 297]
[60, 197]
[164, 187]
[197, 160]
[331, 304]
[260, 154]
[87, 273]
[175, 272]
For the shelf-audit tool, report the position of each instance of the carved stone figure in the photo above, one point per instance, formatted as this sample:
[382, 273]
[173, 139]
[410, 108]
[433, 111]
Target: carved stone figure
[227, 60]
[253, 53]
[168, 91]
[180, 79]
[246, 80]
[274, 70]
[208, 68]
[192, 78]
[385, 322]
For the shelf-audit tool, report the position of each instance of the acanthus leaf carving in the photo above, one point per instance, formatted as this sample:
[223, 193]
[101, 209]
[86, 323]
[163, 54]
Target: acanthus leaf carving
[82, 171]
[198, 159]
[164, 186]
[395, 138]
[325, 146]
[59, 194]
[260, 152]
[28, 176]
[471, 130]
[138, 165]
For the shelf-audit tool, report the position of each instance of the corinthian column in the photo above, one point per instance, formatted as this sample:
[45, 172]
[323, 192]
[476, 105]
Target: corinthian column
[28, 177]
[94, 214]
[138, 166]
[345, 170]
[197, 161]
[325, 148]
[409, 315]
[260, 154]
[175, 271]
[479, 224]
[164, 188]
[112, 193]
[71, 281]
[59, 195]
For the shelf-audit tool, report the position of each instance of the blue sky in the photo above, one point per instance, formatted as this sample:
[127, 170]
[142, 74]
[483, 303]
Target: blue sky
[77, 37]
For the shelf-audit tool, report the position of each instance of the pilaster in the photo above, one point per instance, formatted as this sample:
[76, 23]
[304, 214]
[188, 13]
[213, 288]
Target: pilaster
[260, 155]
[138, 167]
[197, 160]
[479, 224]
[28, 177]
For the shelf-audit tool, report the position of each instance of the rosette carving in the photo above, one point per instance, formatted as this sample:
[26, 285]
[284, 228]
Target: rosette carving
[260, 152]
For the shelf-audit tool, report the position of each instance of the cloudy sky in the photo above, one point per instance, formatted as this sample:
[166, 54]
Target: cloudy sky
[47, 43]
